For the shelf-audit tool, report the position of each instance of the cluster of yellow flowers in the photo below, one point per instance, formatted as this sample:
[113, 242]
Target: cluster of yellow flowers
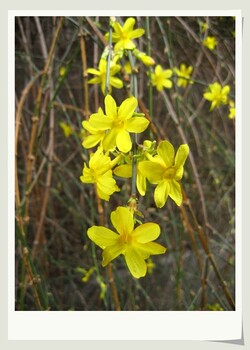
[123, 38]
[109, 130]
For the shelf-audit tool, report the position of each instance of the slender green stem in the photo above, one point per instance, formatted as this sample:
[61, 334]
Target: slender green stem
[107, 83]
[133, 92]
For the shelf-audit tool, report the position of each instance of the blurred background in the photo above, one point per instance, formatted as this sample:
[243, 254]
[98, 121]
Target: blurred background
[57, 266]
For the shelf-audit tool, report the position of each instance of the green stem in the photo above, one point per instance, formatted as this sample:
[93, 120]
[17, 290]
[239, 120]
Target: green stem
[133, 92]
[107, 83]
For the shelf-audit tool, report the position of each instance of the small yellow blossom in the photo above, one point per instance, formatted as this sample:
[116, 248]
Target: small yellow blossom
[134, 243]
[101, 75]
[184, 74]
[231, 110]
[217, 95]
[99, 172]
[160, 78]
[67, 129]
[62, 71]
[210, 42]
[203, 26]
[150, 266]
[123, 36]
[118, 122]
[145, 59]
[166, 170]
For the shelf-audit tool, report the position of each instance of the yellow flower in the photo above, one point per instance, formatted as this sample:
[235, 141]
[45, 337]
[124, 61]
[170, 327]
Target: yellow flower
[118, 122]
[166, 170]
[184, 74]
[134, 243]
[217, 95]
[203, 26]
[160, 78]
[210, 42]
[123, 36]
[99, 172]
[231, 110]
[101, 75]
[67, 129]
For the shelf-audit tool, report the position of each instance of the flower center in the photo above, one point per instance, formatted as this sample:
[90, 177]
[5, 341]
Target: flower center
[126, 238]
[169, 173]
[118, 124]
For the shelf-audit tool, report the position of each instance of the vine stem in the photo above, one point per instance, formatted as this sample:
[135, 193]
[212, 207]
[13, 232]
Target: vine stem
[107, 88]
[133, 92]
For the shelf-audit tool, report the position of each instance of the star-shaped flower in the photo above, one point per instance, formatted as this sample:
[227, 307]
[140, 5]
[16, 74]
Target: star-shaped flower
[123, 36]
[210, 42]
[134, 243]
[118, 122]
[99, 172]
[217, 95]
[101, 75]
[160, 78]
[166, 170]
[184, 74]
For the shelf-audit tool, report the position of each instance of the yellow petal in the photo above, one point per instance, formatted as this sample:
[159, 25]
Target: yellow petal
[111, 252]
[124, 170]
[167, 83]
[137, 124]
[179, 173]
[116, 82]
[109, 141]
[114, 68]
[141, 182]
[87, 176]
[151, 248]
[167, 73]
[100, 122]
[93, 71]
[102, 236]
[129, 24]
[110, 106]
[127, 108]
[161, 193]
[147, 232]
[175, 192]
[118, 28]
[136, 33]
[135, 263]
[158, 70]
[95, 80]
[122, 220]
[92, 140]
[123, 141]
[106, 183]
[208, 96]
[181, 155]
[151, 170]
[166, 152]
